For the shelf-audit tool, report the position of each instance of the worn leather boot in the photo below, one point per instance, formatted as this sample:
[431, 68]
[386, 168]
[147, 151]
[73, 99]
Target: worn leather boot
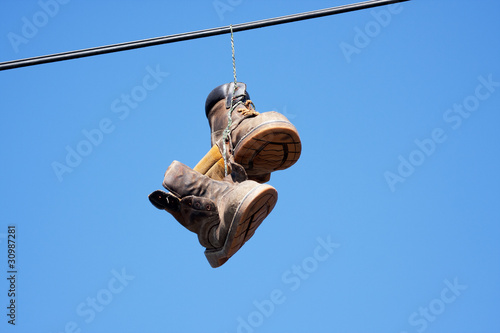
[224, 214]
[260, 142]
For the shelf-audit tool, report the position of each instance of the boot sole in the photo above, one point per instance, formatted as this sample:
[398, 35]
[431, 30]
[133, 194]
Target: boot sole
[253, 209]
[271, 146]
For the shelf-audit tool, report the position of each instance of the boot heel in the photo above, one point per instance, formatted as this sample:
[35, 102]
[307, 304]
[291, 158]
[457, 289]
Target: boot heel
[273, 145]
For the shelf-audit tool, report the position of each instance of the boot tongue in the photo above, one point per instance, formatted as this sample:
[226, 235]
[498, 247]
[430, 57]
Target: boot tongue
[239, 95]
[238, 173]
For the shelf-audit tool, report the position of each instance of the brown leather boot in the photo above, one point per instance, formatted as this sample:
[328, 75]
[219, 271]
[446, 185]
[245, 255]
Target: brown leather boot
[224, 214]
[260, 142]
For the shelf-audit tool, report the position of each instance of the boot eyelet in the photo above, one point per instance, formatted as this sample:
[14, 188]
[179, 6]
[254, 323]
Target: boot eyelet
[208, 207]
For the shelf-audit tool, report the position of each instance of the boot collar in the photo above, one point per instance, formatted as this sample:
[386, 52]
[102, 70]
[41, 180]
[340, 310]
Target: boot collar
[225, 91]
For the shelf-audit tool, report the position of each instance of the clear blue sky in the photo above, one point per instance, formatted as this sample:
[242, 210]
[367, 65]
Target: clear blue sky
[389, 222]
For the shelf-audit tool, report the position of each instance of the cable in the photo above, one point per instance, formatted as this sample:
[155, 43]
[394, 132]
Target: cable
[191, 35]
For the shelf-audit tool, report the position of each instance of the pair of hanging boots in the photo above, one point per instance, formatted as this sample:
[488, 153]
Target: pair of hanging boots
[224, 210]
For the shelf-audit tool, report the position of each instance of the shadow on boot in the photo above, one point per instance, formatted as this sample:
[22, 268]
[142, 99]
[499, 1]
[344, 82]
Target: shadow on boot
[224, 214]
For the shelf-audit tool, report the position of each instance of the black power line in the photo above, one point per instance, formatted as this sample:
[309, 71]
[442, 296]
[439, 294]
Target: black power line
[191, 35]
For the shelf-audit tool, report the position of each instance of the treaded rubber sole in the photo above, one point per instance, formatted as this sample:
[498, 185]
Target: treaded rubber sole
[271, 146]
[253, 209]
